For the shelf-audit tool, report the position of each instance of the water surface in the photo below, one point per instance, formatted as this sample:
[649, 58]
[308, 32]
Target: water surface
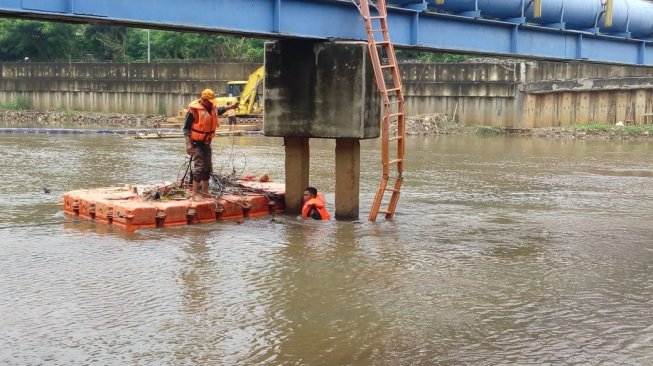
[503, 251]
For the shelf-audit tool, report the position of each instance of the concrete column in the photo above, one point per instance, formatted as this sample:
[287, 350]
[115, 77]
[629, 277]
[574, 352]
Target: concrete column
[297, 159]
[347, 178]
[640, 106]
[518, 104]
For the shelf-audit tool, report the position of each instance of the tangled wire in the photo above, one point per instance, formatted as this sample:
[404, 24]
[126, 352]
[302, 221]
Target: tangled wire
[219, 184]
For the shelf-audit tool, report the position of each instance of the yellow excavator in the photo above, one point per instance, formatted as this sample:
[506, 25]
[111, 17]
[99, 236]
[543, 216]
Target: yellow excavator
[246, 93]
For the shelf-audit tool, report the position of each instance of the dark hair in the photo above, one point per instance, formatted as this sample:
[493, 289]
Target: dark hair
[312, 191]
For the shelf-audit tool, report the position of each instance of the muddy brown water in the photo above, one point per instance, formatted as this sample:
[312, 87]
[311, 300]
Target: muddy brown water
[503, 251]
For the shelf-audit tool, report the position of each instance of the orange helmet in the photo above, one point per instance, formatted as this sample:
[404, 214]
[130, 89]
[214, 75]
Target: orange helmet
[208, 94]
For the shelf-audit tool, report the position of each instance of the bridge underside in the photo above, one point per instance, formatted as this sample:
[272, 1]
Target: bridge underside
[340, 20]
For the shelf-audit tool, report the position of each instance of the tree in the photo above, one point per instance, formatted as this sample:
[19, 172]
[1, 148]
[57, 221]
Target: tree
[44, 41]
[135, 44]
[104, 42]
[40, 41]
[425, 56]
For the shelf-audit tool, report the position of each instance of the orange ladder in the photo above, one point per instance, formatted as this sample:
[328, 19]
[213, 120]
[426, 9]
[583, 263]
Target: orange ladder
[388, 80]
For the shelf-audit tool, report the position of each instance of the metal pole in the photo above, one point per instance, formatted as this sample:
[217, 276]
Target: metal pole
[148, 46]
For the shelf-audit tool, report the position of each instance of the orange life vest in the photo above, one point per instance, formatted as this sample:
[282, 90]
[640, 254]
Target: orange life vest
[318, 203]
[204, 122]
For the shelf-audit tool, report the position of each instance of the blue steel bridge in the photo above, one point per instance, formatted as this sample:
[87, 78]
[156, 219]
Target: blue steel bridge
[612, 31]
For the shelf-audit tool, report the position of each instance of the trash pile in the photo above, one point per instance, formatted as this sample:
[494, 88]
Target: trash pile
[35, 118]
[428, 125]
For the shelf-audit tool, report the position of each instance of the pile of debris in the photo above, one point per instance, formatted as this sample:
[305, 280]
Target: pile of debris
[75, 119]
[428, 125]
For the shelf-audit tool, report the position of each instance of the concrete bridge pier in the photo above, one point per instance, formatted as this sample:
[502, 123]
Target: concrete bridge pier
[347, 175]
[297, 171]
[321, 90]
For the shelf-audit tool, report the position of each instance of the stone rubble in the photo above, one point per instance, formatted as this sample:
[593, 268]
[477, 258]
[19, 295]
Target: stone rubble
[74, 119]
[427, 125]
[419, 125]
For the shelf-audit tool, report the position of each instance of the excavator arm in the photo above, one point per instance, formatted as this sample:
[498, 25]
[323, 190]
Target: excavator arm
[248, 96]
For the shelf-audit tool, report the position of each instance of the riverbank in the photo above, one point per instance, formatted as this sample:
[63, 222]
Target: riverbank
[419, 125]
[439, 124]
[77, 119]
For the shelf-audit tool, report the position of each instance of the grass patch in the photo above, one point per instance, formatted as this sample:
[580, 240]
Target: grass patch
[20, 103]
[591, 127]
[161, 109]
[488, 130]
[634, 131]
[626, 131]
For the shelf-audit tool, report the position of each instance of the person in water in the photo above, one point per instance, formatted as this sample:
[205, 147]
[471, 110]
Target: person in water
[199, 129]
[314, 205]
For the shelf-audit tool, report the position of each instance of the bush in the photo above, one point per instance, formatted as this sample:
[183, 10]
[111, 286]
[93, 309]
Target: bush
[21, 102]
[489, 131]
[161, 109]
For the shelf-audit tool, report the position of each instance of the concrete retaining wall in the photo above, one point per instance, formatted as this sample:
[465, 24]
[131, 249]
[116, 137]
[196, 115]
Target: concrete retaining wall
[530, 94]
[521, 95]
[115, 87]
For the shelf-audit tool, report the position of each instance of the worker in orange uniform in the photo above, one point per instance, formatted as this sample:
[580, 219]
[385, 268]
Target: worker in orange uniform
[231, 114]
[199, 129]
[314, 205]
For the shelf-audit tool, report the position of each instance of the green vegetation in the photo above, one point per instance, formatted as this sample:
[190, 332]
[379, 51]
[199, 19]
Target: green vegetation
[624, 131]
[20, 103]
[161, 109]
[489, 130]
[425, 56]
[45, 41]
[593, 127]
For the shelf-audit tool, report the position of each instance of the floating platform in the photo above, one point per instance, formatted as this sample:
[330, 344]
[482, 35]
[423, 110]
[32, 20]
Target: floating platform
[125, 208]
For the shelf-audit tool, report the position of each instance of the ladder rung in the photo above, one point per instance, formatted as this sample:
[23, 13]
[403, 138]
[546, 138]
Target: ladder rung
[395, 161]
[392, 190]
[377, 17]
[395, 138]
[384, 212]
[395, 114]
[393, 89]
[388, 66]
[377, 30]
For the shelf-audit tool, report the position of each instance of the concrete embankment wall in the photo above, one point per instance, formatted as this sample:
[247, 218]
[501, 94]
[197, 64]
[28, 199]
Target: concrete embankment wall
[478, 93]
[560, 94]
[530, 94]
[508, 94]
[115, 87]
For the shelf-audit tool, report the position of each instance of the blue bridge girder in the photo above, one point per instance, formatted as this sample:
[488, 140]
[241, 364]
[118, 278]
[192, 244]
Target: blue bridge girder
[411, 26]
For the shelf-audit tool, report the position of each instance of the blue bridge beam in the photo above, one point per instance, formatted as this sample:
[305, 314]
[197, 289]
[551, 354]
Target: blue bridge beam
[410, 26]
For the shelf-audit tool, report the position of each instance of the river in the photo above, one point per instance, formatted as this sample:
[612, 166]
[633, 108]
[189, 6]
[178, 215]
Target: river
[504, 250]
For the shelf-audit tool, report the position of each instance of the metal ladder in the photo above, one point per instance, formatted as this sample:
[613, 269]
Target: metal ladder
[388, 81]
